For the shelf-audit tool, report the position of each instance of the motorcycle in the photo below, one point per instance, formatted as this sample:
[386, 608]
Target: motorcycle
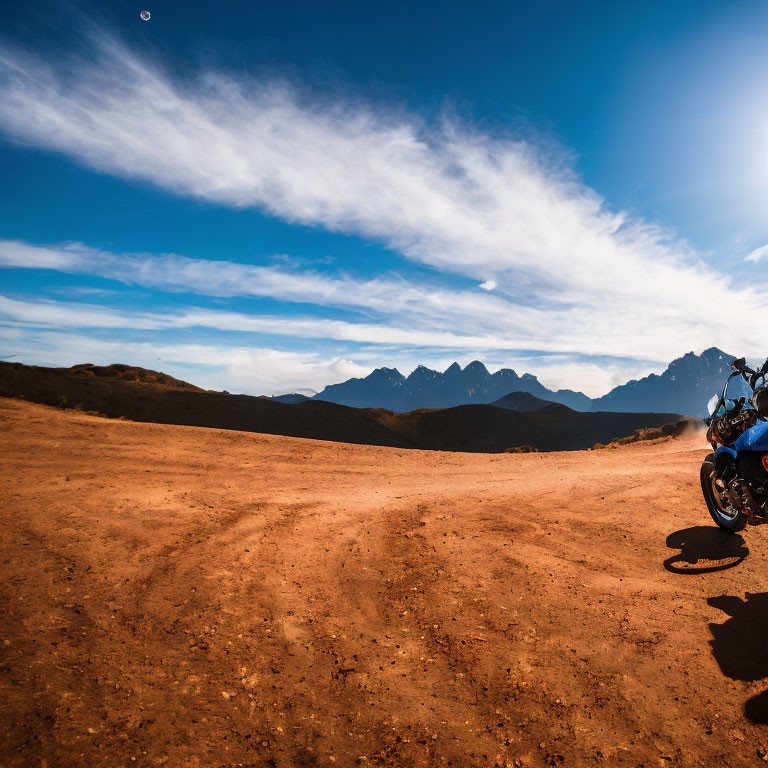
[734, 477]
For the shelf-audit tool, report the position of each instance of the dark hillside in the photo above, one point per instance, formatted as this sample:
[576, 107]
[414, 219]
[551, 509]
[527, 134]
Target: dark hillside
[488, 429]
[149, 396]
[154, 402]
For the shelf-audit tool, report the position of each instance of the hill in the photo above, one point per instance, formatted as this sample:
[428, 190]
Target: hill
[121, 372]
[149, 397]
[143, 399]
[489, 429]
[292, 397]
[521, 401]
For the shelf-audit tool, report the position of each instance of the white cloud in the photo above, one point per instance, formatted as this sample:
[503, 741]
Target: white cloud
[74, 315]
[444, 195]
[26, 323]
[569, 275]
[410, 313]
[757, 254]
[54, 313]
[58, 314]
[170, 272]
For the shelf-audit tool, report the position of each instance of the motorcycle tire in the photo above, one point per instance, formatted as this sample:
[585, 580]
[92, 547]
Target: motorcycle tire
[725, 517]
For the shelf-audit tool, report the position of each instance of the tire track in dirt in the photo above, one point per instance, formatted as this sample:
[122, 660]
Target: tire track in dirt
[244, 599]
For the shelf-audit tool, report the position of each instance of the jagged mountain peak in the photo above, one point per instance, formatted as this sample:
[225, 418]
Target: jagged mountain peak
[427, 388]
[713, 354]
[384, 373]
[505, 373]
[476, 367]
[422, 373]
[685, 386]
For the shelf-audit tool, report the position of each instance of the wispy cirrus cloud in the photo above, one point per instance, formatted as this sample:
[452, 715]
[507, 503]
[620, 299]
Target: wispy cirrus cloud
[48, 313]
[435, 308]
[392, 310]
[757, 254]
[444, 195]
[221, 278]
[557, 269]
[404, 347]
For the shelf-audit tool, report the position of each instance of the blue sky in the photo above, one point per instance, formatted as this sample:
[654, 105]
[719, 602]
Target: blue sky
[277, 196]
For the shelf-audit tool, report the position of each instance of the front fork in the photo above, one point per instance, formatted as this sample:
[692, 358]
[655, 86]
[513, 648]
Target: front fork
[732, 489]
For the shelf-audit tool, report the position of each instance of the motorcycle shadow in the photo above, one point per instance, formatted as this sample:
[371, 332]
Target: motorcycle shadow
[738, 645]
[705, 549]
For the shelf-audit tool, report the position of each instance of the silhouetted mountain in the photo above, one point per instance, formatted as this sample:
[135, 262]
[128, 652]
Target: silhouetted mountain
[685, 387]
[293, 398]
[425, 388]
[524, 402]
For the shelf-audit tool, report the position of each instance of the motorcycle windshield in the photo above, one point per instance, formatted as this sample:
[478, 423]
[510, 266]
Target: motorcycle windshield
[755, 439]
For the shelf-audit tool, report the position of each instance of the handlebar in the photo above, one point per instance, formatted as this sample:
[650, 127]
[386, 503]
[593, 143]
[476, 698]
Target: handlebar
[739, 366]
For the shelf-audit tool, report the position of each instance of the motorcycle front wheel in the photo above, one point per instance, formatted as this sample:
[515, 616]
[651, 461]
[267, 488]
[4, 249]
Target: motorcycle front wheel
[718, 505]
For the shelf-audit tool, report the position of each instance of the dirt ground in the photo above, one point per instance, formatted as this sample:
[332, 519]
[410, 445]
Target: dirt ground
[189, 597]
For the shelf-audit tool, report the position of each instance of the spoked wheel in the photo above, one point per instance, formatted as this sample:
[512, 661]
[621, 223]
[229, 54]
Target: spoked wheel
[718, 503]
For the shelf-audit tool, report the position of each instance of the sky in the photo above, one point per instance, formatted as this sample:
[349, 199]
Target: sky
[269, 197]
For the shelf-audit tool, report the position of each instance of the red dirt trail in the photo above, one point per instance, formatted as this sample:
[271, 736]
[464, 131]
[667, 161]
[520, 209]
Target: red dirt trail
[183, 596]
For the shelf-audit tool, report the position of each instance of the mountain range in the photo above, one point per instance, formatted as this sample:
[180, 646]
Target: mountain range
[425, 388]
[685, 387]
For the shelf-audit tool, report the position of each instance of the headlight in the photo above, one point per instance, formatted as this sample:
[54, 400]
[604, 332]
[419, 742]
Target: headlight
[720, 431]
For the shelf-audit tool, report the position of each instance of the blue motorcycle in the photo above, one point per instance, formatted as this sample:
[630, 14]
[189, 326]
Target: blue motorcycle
[734, 478]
